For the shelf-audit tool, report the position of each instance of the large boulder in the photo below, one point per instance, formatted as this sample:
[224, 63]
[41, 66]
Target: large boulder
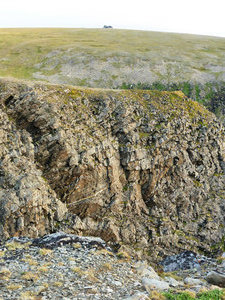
[216, 278]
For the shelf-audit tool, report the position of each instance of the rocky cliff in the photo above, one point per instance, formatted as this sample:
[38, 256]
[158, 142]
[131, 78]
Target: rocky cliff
[141, 169]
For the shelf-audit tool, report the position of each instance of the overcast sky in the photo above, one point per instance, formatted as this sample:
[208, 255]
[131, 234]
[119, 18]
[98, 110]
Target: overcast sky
[190, 16]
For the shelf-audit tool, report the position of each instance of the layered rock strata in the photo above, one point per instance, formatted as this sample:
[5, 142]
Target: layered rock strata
[142, 169]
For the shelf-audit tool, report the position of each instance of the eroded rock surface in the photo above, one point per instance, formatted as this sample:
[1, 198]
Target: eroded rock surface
[142, 169]
[28, 206]
[60, 238]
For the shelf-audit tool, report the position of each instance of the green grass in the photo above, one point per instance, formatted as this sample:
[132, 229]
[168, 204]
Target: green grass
[210, 295]
[79, 56]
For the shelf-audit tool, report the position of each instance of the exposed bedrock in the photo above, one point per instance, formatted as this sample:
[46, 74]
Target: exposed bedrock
[143, 169]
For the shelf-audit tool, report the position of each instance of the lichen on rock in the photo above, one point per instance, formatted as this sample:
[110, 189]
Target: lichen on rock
[142, 169]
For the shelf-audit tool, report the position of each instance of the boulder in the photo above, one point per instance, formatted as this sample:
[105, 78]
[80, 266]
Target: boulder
[216, 278]
[144, 270]
[193, 281]
[154, 284]
[173, 282]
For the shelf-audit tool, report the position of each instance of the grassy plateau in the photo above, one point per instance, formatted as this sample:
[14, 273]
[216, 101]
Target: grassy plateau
[107, 58]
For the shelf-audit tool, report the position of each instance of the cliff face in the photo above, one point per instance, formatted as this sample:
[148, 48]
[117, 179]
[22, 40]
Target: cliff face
[143, 169]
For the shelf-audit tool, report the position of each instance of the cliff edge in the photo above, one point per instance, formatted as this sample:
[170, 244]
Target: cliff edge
[143, 170]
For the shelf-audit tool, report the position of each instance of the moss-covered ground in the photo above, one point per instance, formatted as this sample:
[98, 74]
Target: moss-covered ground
[187, 295]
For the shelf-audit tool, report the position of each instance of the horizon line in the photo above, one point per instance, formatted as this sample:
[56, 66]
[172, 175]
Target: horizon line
[113, 28]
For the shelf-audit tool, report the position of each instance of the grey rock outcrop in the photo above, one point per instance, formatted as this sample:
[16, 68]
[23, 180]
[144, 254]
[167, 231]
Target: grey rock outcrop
[141, 169]
[60, 238]
[182, 261]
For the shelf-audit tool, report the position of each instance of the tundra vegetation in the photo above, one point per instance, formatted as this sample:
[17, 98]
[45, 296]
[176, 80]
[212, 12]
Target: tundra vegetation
[118, 59]
[210, 94]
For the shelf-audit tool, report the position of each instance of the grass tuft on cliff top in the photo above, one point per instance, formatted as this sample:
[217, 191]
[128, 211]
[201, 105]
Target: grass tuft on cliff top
[172, 104]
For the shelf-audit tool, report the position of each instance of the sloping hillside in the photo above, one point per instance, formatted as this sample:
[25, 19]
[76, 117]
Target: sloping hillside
[107, 58]
[142, 169]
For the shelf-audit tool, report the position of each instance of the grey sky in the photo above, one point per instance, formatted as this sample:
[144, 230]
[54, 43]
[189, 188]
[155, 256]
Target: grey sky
[190, 16]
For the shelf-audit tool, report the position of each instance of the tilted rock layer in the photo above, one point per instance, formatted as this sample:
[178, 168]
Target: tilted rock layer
[142, 169]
